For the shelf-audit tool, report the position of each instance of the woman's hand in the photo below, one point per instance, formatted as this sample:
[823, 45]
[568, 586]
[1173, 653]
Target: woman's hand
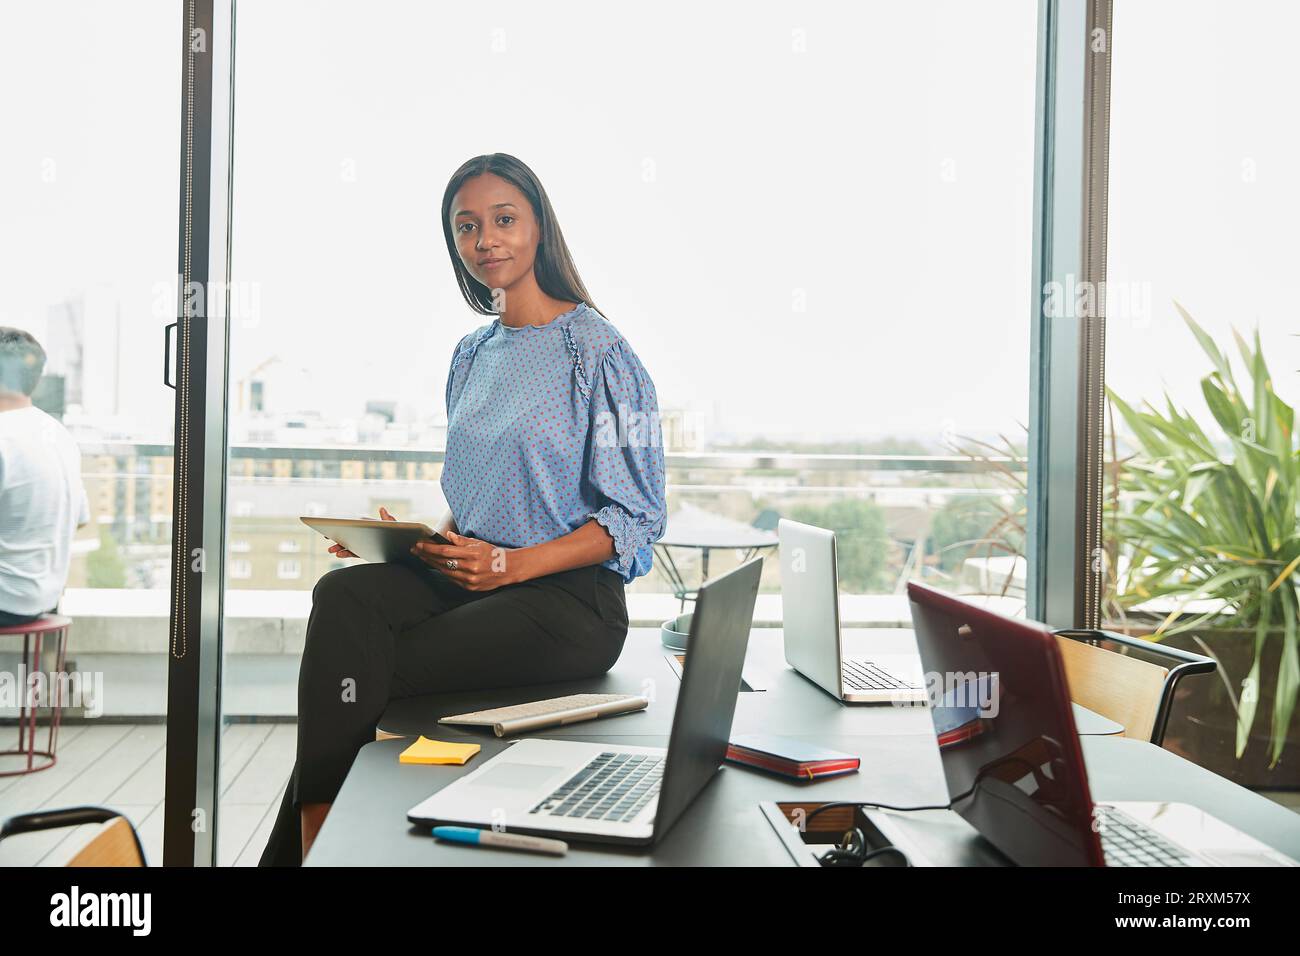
[473, 564]
[341, 552]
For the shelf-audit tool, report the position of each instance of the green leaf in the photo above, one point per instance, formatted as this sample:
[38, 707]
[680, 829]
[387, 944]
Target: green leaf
[1195, 485]
[1221, 405]
[1250, 692]
[1207, 343]
[1288, 676]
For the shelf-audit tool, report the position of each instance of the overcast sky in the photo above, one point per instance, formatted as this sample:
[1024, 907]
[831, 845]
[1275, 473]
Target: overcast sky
[809, 219]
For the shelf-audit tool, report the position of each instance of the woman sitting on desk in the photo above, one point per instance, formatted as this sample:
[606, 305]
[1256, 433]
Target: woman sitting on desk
[555, 498]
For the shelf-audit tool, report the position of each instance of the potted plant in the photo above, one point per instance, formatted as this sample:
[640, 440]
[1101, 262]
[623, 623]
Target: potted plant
[1211, 527]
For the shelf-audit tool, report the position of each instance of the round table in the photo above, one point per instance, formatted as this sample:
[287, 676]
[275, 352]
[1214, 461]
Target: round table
[700, 530]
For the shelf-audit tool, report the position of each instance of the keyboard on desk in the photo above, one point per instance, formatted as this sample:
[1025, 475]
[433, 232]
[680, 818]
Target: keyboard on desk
[537, 708]
[864, 675]
[613, 786]
[1129, 842]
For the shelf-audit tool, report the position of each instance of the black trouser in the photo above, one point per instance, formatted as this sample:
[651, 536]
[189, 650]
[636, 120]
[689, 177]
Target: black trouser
[383, 631]
[8, 619]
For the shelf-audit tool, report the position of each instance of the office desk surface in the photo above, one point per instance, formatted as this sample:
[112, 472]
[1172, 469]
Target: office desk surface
[790, 704]
[367, 824]
[724, 826]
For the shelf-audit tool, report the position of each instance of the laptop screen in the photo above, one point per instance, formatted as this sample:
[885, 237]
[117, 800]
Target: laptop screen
[1005, 730]
[810, 602]
[706, 701]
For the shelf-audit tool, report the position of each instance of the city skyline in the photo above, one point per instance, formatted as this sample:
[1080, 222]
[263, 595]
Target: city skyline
[789, 313]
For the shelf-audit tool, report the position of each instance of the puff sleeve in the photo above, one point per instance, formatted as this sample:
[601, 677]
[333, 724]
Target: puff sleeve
[451, 374]
[625, 458]
[457, 355]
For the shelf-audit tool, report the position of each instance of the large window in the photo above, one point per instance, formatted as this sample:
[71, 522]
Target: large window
[814, 251]
[1204, 473]
[88, 186]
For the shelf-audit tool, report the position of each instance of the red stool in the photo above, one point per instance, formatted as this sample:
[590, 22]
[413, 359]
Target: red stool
[33, 633]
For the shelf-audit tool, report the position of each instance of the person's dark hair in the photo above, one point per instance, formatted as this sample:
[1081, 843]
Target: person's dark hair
[554, 269]
[22, 360]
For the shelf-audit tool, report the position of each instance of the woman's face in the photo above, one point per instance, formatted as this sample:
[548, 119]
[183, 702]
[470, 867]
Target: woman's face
[496, 232]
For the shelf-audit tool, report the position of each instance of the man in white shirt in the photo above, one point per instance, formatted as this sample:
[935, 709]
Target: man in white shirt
[42, 500]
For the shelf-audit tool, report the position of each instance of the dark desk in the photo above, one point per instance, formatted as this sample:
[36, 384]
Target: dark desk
[790, 705]
[724, 826]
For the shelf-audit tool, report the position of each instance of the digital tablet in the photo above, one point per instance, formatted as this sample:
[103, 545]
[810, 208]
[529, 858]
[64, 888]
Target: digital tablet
[375, 539]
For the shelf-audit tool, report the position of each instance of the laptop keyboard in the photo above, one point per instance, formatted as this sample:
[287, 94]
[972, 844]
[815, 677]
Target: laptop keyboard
[864, 675]
[613, 787]
[1128, 842]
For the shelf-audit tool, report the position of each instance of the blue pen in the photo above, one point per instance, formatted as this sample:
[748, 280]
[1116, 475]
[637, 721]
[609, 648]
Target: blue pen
[473, 836]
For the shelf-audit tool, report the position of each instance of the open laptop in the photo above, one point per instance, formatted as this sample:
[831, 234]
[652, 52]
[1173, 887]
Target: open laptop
[610, 793]
[810, 601]
[1012, 759]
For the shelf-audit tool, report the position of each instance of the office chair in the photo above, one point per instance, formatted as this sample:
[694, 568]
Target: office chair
[116, 845]
[1127, 679]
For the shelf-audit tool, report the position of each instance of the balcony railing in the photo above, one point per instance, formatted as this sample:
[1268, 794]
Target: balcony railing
[724, 460]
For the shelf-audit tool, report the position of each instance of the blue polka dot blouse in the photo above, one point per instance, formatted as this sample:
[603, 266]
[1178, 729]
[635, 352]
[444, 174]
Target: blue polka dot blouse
[549, 426]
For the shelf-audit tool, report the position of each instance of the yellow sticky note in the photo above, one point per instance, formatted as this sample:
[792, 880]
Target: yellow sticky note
[425, 750]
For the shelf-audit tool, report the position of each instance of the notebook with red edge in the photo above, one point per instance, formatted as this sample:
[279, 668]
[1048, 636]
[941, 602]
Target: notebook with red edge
[790, 757]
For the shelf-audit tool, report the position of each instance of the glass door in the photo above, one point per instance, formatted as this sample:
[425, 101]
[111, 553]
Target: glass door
[88, 188]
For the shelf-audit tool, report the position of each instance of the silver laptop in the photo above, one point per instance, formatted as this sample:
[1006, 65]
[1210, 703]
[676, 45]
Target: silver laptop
[610, 793]
[810, 599]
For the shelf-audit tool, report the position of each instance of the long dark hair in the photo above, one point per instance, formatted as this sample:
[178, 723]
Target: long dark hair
[553, 267]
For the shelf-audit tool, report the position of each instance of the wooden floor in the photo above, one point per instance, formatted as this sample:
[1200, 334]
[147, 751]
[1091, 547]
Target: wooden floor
[121, 766]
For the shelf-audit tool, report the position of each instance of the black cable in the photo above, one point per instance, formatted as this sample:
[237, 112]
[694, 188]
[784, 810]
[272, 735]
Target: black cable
[848, 852]
[852, 853]
[841, 855]
[886, 806]
[888, 849]
[874, 806]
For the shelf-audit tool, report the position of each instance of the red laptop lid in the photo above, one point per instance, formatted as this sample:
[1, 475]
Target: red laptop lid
[1006, 733]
